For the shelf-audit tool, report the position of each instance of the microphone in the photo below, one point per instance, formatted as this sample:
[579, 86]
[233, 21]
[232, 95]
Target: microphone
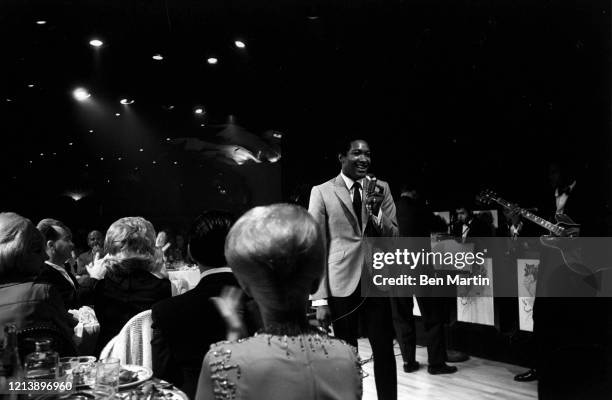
[369, 189]
[370, 185]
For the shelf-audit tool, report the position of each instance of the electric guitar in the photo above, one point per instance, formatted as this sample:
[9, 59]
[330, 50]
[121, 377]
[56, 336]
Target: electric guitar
[563, 233]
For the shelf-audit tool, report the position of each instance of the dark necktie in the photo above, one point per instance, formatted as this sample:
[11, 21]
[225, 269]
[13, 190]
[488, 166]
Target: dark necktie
[357, 201]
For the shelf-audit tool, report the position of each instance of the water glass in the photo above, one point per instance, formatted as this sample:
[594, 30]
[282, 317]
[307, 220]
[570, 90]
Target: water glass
[84, 372]
[107, 378]
[66, 366]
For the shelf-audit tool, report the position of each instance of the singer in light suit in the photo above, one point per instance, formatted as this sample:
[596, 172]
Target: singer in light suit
[347, 214]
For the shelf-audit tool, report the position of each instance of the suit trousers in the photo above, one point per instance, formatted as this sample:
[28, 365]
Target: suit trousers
[375, 315]
[433, 316]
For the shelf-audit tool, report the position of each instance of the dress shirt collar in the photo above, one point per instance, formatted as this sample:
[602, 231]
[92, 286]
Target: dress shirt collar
[215, 271]
[350, 182]
[61, 270]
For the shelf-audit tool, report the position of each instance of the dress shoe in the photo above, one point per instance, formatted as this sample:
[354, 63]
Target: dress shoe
[411, 366]
[441, 369]
[528, 376]
[454, 356]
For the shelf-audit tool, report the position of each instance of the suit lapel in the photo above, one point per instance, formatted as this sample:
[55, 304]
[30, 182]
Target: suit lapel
[345, 198]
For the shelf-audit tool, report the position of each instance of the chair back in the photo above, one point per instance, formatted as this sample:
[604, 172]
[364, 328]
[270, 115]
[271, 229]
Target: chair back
[133, 343]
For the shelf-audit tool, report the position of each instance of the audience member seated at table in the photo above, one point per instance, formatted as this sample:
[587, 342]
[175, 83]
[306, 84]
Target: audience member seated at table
[131, 276]
[185, 326]
[95, 241]
[277, 254]
[58, 246]
[166, 243]
[35, 307]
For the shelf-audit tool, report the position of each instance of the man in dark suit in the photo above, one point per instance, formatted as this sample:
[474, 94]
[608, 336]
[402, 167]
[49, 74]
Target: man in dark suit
[415, 219]
[569, 320]
[468, 225]
[347, 213]
[58, 246]
[95, 241]
[185, 326]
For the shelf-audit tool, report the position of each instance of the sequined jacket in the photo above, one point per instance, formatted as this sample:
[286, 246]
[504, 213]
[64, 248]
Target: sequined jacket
[281, 367]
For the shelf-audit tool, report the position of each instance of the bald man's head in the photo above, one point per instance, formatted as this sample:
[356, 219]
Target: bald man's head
[95, 239]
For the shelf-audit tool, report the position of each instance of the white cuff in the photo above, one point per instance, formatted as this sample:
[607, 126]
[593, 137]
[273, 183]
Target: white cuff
[318, 303]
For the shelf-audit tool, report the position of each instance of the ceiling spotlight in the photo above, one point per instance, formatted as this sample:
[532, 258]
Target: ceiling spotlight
[141, 149]
[167, 139]
[96, 42]
[91, 131]
[81, 94]
[199, 111]
[126, 101]
[76, 196]
[70, 144]
[42, 154]
[154, 162]
[117, 114]
[212, 60]
[158, 57]
[101, 158]
[119, 158]
[41, 22]
[240, 44]
[31, 85]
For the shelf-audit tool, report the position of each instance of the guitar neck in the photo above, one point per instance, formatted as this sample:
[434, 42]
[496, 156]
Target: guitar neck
[554, 228]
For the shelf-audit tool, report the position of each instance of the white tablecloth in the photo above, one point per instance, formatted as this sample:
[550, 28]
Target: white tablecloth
[191, 276]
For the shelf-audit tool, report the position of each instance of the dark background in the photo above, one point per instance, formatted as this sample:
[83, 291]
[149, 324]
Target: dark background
[461, 95]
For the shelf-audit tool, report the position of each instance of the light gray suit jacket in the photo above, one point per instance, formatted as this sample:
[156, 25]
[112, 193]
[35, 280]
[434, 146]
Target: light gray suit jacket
[332, 208]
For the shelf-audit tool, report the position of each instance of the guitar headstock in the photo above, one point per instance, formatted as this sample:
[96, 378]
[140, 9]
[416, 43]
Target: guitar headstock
[486, 197]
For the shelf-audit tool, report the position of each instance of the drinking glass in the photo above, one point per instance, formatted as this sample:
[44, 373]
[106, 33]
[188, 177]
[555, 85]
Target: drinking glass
[66, 366]
[85, 371]
[107, 378]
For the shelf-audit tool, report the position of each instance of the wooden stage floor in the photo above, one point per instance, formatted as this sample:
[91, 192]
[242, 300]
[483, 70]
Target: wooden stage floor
[476, 379]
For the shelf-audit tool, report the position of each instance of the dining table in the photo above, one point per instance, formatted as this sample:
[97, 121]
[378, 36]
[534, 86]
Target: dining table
[151, 389]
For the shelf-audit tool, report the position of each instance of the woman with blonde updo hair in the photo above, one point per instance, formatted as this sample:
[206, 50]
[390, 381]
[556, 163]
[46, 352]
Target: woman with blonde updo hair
[34, 307]
[131, 275]
[277, 254]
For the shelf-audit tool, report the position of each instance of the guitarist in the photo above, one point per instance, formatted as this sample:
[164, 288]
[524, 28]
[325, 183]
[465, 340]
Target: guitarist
[569, 331]
[517, 230]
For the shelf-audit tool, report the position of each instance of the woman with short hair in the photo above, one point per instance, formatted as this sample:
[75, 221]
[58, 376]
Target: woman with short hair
[34, 307]
[277, 255]
[131, 275]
